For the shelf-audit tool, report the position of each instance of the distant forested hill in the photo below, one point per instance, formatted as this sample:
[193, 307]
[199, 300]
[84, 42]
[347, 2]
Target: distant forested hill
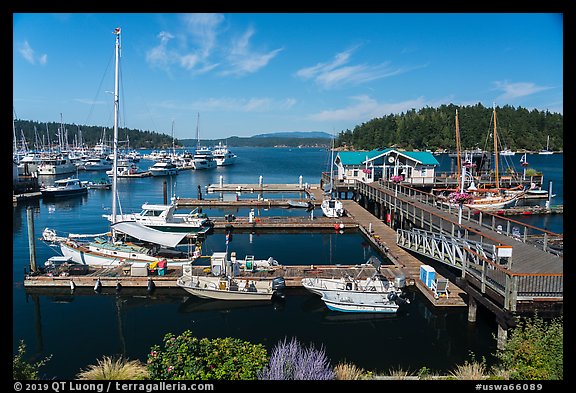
[434, 128]
[427, 128]
[38, 135]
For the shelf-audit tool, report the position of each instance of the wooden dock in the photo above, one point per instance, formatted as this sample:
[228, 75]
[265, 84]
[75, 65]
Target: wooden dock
[260, 188]
[264, 203]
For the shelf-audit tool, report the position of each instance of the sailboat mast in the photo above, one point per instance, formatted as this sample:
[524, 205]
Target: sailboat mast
[197, 131]
[115, 143]
[496, 169]
[458, 151]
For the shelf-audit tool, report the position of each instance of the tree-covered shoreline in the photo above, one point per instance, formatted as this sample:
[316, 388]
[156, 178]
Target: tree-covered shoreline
[424, 129]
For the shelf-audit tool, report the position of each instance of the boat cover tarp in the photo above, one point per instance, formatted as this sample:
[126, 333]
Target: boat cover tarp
[139, 231]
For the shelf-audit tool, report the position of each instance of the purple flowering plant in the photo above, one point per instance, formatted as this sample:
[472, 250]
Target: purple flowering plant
[293, 361]
[460, 197]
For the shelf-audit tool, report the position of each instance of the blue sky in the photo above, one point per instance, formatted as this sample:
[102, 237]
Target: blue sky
[252, 73]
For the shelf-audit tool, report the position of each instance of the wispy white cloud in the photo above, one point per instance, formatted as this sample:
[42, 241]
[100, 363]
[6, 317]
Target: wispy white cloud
[160, 56]
[243, 60]
[29, 54]
[337, 72]
[365, 108]
[199, 48]
[519, 89]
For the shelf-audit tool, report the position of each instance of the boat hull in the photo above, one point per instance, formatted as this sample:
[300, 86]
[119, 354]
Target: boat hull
[103, 257]
[217, 288]
[227, 295]
[63, 193]
[359, 303]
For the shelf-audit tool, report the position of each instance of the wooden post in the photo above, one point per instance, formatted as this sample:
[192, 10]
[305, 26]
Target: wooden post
[165, 193]
[472, 309]
[31, 242]
[502, 336]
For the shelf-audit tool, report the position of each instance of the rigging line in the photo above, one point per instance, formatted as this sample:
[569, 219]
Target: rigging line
[98, 91]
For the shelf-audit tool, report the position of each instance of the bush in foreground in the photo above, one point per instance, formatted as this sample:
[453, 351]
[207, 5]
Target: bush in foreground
[119, 369]
[23, 369]
[534, 350]
[186, 357]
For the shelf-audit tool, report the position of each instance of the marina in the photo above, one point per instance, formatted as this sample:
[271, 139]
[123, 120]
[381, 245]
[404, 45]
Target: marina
[274, 223]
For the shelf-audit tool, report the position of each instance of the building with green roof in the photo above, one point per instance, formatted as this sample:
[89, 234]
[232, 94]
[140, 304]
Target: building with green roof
[416, 167]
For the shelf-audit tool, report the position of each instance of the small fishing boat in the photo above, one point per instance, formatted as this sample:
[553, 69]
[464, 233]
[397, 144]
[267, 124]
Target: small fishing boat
[300, 204]
[99, 184]
[224, 284]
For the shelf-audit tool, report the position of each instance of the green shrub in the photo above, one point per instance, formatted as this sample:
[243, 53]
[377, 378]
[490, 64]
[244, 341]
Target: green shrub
[24, 370]
[190, 358]
[534, 350]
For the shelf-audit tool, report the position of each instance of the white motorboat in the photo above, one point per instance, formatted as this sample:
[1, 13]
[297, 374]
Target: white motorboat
[125, 168]
[332, 208]
[507, 152]
[222, 155]
[203, 158]
[360, 302]
[64, 188]
[228, 288]
[377, 284]
[98, 164]
[300, 204]
[56, 164]
[163, 168]
[165, 218]
[224, 284]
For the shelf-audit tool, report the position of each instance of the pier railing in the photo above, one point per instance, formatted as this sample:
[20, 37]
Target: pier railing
[479, 263]
[541, 238]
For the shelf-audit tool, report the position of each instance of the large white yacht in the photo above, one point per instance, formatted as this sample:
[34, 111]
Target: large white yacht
[222, 155]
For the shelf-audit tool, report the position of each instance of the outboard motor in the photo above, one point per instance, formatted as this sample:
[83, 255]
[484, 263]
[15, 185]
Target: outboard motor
[278, 286]
[400, 281]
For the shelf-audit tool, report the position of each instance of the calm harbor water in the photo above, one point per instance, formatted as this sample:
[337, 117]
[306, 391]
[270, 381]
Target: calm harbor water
[78, 329]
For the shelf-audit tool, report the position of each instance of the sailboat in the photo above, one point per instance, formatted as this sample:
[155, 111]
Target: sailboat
[477, 198]
[546, 151]
[332, 207]
[127, 242]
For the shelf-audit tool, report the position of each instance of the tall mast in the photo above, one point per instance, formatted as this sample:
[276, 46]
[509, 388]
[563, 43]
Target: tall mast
[458, 153]
[496, 152]
[115, 145]
[173, 148]
[198, 132]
